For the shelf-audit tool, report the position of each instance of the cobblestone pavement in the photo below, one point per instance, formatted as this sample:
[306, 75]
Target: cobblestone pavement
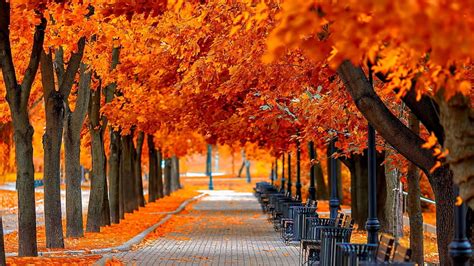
[224, 228]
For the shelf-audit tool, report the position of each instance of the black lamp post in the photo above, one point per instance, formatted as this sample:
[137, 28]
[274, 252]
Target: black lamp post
[373, 224]
[334, 200]
[460, 249]
[312, 157]
[209, 166]
[282, 185]
[289, 174]
[298, 170]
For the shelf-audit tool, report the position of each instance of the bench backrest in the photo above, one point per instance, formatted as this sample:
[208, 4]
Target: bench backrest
[385, 247]
[401, 254]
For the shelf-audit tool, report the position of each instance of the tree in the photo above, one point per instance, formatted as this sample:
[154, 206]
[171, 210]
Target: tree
[17, 96]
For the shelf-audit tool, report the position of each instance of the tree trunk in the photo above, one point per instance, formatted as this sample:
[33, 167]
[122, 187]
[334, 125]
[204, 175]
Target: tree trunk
[174, 173]
[128, 174]
[96, 213]
[138, 170]
[444, 193]
[167, 170]
[3, 261]
[114, 176]
[159, 184]
[153, 174]
[393, 208]
[321, 187]
[72, 146]
[457, 117]
[243, 164]
[414, 206]
[17, 97]
[114, 150]
[358, 166]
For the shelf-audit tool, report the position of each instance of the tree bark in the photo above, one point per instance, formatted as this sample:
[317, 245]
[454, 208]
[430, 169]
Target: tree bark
[153, 168]
[457, 116]
[393, 204]
[114, 150]
[321, 186]
[127, 173]
[174, 173]
[72, 145]
[138, 169]
[414, 206]
[97, 211]
[3, 261]
[54, 107]
[167, 171]
[358, 167]
[17, 98]
[159, 182]
[114, 176]
[407, 144]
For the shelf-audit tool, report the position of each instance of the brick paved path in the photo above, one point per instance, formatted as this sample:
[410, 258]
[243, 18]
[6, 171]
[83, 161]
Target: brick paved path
[224, 228]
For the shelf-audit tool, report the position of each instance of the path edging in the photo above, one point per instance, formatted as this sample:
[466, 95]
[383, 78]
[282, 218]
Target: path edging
[125, 246]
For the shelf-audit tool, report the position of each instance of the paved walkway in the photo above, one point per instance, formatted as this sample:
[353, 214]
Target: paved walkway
[224, 228]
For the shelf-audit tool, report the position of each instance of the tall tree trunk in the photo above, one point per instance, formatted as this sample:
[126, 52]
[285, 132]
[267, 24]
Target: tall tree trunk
[52, 153]
[135, 198]
[178, 173]
[414, 206]
[358, 166]
[153, 168]
[72, 146]
[457, 117]
[393, 205]
[97, 211]
[138, 169]
[321, 187]
[243, 164]
[114, 176]
[114, 149]
[56, 104]
[159, 182]
[2, 244]
[167, 171]
[17, 98]
[127, 173]
[174, 173]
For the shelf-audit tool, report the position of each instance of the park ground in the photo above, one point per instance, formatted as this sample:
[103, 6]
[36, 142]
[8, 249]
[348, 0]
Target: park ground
[224, 227]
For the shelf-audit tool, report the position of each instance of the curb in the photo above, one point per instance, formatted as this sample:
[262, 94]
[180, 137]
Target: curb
[125, 246]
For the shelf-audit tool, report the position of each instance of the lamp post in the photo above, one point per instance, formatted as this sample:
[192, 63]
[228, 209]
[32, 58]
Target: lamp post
[282, 185]
[298, 170]
[289, 174]
[209, 166]
[334, 200]
[276, 169]
[373, 224]
[460, 249]
[312, 157]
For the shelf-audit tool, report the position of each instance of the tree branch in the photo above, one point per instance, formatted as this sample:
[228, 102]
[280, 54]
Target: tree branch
[33, 64]
[389, 127]
[83, 98]
[426, 110]
[74, 63]
[47, 74]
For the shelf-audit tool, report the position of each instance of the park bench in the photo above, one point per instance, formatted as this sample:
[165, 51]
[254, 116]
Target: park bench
[385, 253]
[310, 243]
[288, 221]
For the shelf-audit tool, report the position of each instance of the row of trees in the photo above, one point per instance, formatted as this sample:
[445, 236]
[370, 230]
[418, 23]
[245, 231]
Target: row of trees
[190, 73]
